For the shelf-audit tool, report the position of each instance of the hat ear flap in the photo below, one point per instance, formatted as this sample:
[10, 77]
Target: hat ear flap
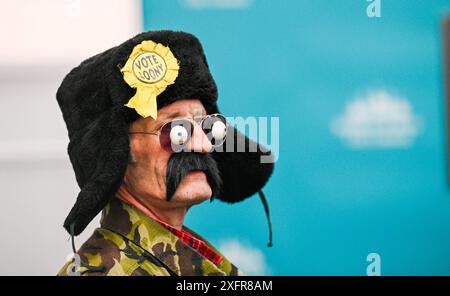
[99, 156]
[245, 169]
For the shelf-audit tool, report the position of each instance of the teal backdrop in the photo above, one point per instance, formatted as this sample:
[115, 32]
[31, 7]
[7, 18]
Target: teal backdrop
[344, 186]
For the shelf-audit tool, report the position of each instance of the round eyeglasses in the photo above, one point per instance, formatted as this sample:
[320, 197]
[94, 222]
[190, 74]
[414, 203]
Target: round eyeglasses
[175, 134]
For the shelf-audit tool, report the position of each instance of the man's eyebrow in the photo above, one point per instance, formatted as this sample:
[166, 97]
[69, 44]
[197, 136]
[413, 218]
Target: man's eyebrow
[178, 113]
[173, 114]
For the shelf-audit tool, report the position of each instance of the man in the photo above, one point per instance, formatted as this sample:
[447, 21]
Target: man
[146, 143]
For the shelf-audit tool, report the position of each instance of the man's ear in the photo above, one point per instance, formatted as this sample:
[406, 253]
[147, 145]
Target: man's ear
[131, 158]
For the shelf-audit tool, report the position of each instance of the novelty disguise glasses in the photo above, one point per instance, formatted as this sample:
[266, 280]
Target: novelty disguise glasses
[175, 134]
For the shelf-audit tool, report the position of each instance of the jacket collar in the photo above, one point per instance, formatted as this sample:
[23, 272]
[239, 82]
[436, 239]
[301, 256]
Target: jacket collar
[151, 236]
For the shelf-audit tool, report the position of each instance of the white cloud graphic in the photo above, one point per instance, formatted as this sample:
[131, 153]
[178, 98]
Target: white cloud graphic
[378, 120]
[217, 4]
[248, 259]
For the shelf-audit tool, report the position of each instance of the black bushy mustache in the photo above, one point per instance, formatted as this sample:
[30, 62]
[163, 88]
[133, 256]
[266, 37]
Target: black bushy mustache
[180, 164]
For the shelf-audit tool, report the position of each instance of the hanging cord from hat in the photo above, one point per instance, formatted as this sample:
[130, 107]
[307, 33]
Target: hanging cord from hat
[100, 268]
[266, 209]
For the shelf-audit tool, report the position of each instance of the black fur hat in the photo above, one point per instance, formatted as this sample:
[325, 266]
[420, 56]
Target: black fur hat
[92, 98]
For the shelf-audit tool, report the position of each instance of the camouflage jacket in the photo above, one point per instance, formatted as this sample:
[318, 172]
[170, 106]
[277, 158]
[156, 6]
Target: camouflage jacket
[131, 243]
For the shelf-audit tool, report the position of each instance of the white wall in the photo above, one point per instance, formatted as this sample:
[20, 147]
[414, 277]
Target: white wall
[40, 41]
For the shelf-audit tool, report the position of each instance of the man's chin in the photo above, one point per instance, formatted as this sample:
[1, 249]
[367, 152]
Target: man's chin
[193, 189]
[190, 197]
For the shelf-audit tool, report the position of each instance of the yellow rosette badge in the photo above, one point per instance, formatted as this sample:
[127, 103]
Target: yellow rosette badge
[150, 68]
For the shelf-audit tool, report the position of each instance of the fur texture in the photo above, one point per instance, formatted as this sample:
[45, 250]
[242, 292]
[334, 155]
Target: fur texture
[92, 98]
[242, 173]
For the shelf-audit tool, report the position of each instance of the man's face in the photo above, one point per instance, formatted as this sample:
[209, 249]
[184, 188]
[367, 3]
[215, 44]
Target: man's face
[146, 172]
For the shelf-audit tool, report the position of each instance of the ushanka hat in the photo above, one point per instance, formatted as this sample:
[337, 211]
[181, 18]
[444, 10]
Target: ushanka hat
[105, 93]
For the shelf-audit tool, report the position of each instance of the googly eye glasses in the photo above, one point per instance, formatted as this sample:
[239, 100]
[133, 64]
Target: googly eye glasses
[175, 134]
